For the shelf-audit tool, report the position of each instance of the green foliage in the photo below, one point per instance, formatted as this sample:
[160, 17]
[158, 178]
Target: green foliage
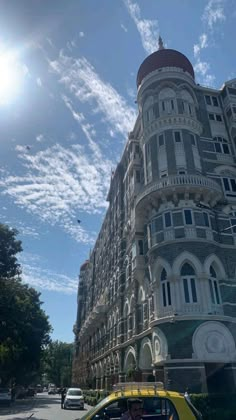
[215, 406]
[24, 330]
[9, 247]
[93, 397]
[57, 363]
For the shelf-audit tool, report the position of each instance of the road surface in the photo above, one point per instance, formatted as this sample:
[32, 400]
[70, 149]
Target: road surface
[41, 407]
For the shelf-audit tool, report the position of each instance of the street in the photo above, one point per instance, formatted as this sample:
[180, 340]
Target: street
[41, 407]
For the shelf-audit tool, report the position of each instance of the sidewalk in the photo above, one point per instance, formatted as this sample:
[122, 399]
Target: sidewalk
[19, 409]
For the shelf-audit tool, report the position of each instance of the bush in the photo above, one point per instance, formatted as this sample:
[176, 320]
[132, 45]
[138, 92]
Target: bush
[215, 406]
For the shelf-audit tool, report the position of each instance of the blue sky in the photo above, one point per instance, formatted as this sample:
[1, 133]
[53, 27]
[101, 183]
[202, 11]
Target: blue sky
[67, 100]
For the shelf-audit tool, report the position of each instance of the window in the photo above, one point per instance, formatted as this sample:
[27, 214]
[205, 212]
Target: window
[140, 247]
[167, 220]
[181, 172]
[137, 150]
[206, 219]
[172, 104]
[229, 184]
[193, 140]
[211, 100]
[208, 100]
[221, 145]
[214, 287]
[215, 117]
[166, 294]
[177, 136]
[189, 284]
[218, 117]
[214, 101]
[161, 140]
[188, 217]
[163, 106]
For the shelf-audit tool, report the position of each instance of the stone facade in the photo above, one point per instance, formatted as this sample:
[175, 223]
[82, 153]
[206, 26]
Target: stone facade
[157, 297]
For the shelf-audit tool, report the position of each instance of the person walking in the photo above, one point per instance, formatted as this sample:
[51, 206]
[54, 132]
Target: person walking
[63, 395]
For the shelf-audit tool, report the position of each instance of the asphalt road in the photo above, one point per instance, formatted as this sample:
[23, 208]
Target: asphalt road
[41, 407]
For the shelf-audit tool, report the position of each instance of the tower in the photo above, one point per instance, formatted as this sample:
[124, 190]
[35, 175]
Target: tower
[164, 285]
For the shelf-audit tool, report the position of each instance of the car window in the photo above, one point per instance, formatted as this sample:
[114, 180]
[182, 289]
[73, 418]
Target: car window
[154, 408]
[112, 411]
[159, 408]
[74, 392]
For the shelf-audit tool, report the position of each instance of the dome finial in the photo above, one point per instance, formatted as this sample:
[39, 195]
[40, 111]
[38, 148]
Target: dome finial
[160, 43]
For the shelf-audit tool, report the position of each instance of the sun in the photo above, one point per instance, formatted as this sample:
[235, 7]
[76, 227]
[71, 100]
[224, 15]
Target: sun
[10, 78]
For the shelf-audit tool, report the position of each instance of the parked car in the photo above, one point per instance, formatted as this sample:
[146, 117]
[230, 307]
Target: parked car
[152, 401]
[52, 390]
[74, 399]
[5, 396]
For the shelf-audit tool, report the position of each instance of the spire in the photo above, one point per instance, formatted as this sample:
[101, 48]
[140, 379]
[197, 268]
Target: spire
[160, 43]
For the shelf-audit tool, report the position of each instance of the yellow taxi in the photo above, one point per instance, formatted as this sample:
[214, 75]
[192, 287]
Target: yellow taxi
[144, 400]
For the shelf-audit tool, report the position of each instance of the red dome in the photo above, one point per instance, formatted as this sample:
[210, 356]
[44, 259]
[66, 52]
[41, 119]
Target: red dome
[163, 58]
[84, 265]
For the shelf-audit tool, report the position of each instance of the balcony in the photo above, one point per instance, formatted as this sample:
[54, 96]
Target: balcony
[173, 184]
[189, 309]
[173, 121]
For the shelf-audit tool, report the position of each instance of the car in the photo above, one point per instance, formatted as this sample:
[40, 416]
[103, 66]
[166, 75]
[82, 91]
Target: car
[52, 390]
[153, 400]
[5, 396]
[74, 399]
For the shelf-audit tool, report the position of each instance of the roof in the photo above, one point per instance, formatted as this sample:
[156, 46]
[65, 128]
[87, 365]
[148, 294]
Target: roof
[84, 265]
[164, 58]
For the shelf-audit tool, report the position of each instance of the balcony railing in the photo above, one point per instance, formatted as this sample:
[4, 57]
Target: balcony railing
[189, 309]
[176, 181]
[173, 120]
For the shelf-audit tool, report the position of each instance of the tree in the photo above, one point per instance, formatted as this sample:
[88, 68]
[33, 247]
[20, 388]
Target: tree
[9, 247]
[24, 331]
[57, 363]
[24, 326]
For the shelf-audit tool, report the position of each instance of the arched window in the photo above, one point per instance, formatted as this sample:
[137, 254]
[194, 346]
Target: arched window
[187, 105]
[167, 101]
[214, 287]
[189, 283]
[126, 326]
[165, 289]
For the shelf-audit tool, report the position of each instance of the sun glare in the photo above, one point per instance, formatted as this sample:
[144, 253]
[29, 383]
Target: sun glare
[10, 78]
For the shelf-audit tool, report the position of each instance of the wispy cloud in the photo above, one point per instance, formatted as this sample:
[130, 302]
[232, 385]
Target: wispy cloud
[148, 29]
[39, 82]
[58, 183]
[202, 43]
[45, 279]
[212, 16]
[123, 27]
[40, 138]
[81, 79]
[214, 13]
[81, 34]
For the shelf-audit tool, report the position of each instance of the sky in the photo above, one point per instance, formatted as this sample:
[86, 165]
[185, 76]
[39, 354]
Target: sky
[67, 102]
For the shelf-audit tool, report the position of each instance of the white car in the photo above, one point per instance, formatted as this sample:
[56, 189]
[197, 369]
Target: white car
[74, 398]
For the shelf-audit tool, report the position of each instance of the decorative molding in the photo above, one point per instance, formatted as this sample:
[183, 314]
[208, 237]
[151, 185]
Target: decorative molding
[212, 341]
[171, 122]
